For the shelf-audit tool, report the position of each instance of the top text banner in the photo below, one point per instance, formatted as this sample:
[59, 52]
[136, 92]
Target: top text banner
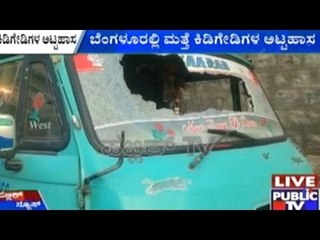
[40, 41]
[197, 41]
[158, 41]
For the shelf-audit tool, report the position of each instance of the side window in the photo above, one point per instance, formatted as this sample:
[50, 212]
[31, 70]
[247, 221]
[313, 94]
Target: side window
[9, 87]
[42, 119]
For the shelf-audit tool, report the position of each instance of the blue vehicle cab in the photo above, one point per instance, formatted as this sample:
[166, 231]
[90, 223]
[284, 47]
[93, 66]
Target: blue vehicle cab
[166, 131]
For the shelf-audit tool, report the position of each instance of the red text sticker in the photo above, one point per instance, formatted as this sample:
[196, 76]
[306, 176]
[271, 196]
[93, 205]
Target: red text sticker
[88, 62]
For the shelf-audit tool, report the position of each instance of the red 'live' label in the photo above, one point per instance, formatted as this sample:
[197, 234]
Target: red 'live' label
[295, 181]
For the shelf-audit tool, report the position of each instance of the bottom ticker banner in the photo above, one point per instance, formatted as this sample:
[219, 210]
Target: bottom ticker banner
[295, 192]
[22, 200]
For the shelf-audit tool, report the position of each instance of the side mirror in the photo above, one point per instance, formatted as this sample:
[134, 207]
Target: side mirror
[7, 133]
[8, 143]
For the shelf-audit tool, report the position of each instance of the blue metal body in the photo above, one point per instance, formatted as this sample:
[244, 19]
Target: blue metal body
[238, 178]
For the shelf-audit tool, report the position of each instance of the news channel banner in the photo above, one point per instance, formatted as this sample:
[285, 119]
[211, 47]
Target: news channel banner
[22, 200]
[294, 192]
[158, 41]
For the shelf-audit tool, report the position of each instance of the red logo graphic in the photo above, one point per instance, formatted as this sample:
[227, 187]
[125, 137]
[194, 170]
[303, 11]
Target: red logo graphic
[38, 101]
[159, 132]
[88, 63]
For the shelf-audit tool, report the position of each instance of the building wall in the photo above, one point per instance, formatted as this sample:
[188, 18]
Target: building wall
[292, 83]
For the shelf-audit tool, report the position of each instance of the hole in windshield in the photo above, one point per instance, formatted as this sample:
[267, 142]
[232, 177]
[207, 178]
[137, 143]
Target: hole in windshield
[166, 81]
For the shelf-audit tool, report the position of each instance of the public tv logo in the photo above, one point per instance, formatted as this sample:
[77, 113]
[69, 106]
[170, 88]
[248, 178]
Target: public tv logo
[295, 192]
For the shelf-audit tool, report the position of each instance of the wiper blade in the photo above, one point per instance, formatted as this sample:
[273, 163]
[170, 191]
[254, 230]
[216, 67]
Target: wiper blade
[213, 141]
[232, 133]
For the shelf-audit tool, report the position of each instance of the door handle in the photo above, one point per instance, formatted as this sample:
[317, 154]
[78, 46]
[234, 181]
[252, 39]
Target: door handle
[13, 165]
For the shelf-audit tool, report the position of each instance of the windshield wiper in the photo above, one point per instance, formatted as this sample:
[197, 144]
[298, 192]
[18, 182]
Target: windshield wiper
[232, 133]
[224, 133]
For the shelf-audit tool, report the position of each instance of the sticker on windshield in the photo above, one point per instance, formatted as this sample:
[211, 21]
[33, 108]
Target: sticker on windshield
[233, 123]
[253, 77]
[88, 62]
[265, 123]
[34, 116]
[205, 62]
[160, 133]
[22, 200]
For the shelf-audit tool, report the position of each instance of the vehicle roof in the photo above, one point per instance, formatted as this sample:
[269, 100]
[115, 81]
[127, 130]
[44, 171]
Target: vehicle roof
[233, 57]
[2, 56]
[237, 58]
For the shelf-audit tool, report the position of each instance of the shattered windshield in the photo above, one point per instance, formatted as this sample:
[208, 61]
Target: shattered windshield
[172, 97]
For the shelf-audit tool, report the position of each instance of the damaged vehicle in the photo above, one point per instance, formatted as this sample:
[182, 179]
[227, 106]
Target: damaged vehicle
[114, 131]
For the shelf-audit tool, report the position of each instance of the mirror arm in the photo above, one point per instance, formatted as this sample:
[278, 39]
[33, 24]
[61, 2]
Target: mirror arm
[10, 163]
[8, 143]
[7, 155]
